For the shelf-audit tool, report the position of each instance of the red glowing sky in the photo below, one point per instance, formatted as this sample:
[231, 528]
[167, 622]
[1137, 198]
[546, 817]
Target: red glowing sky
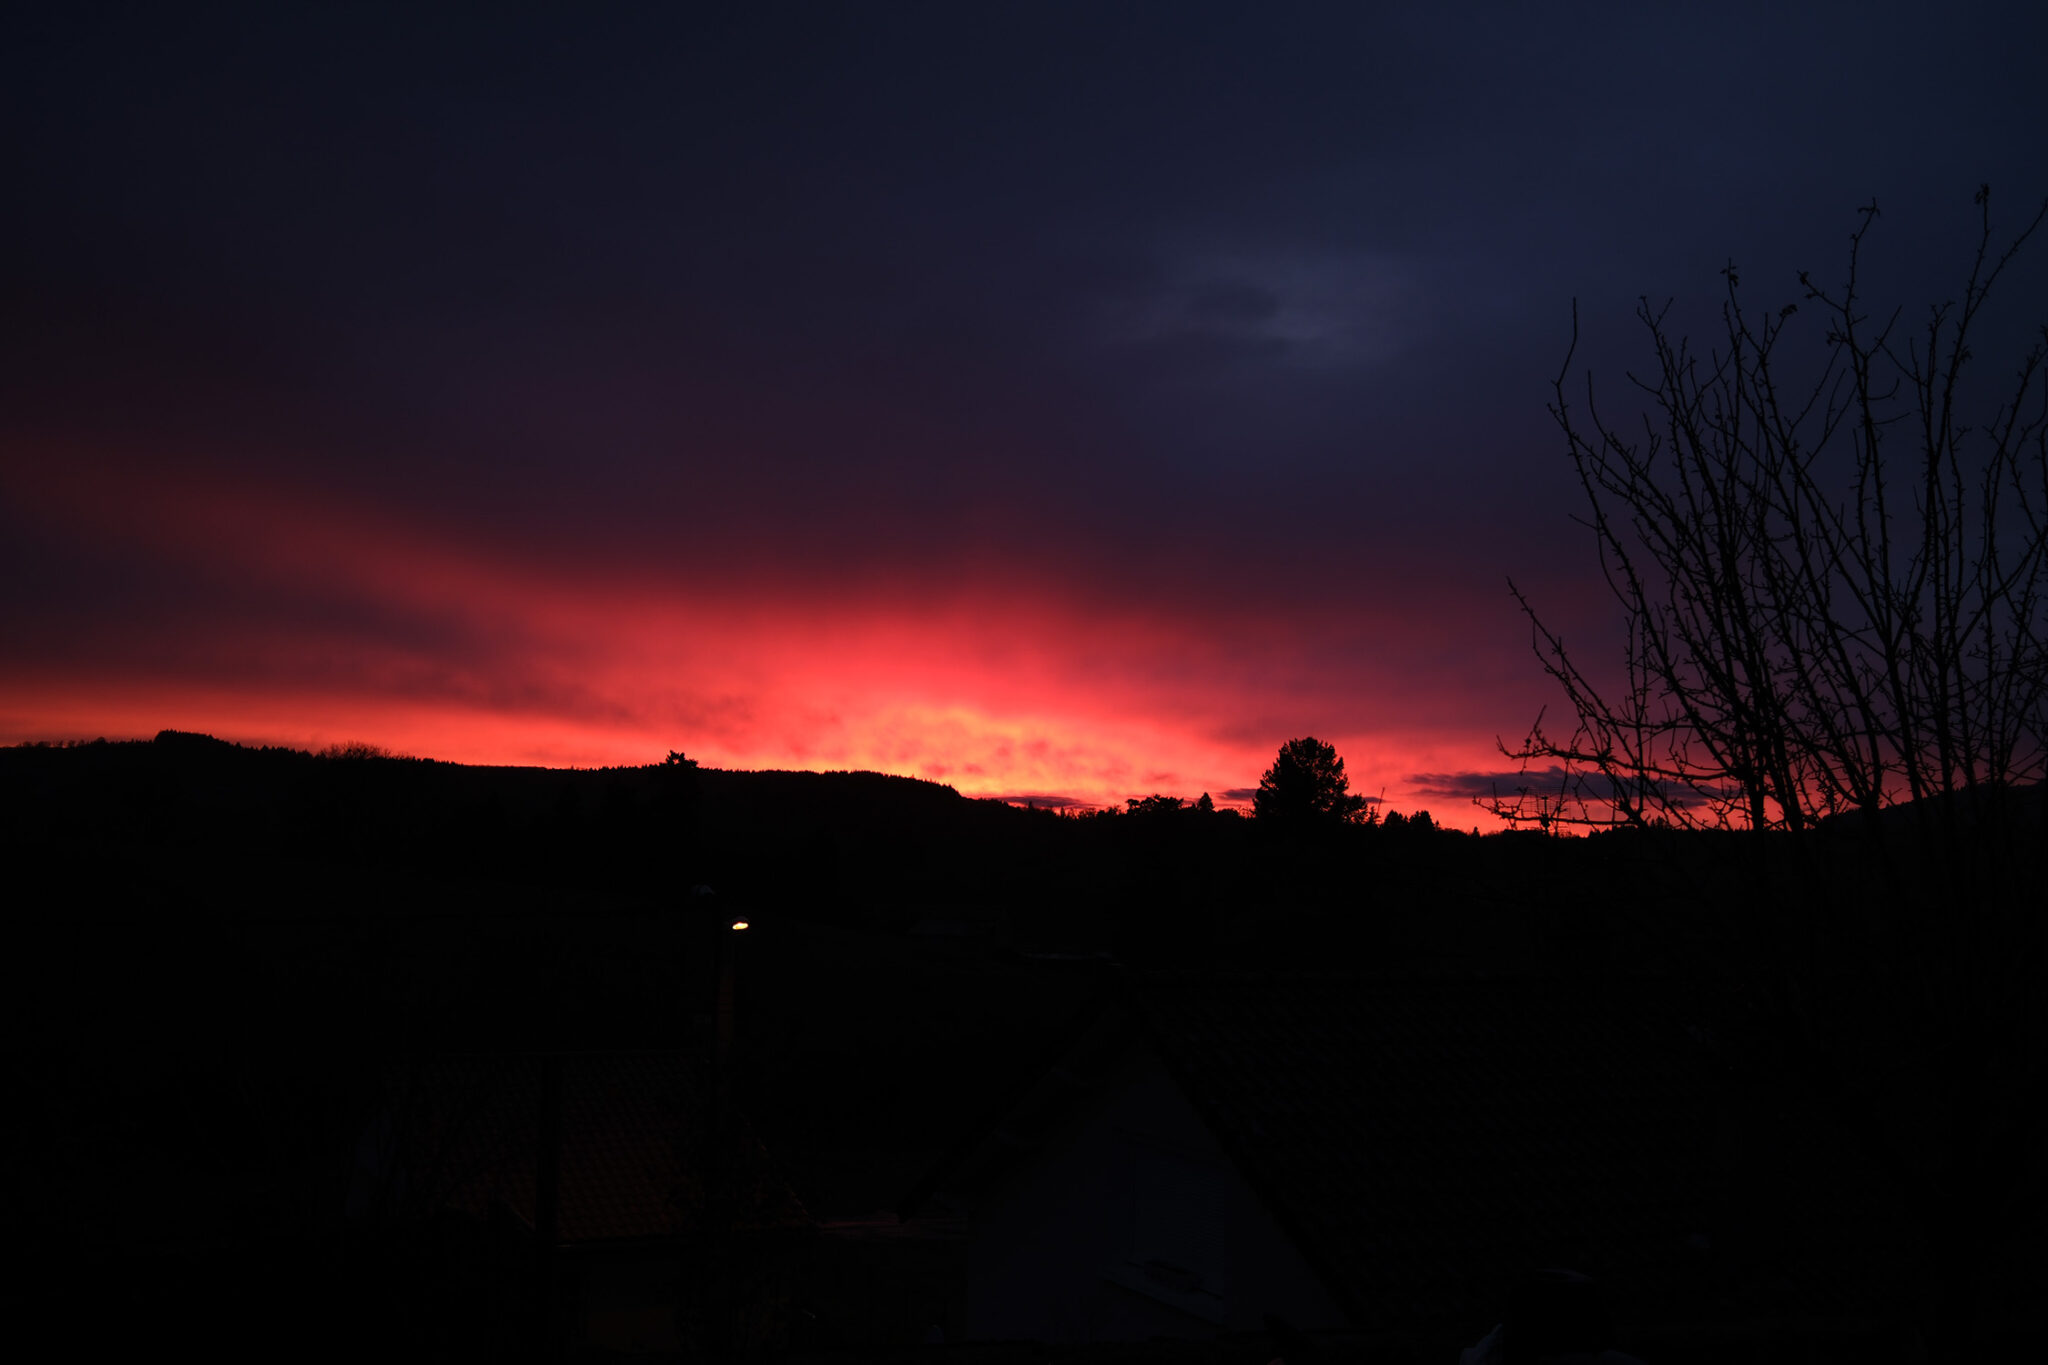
[284, 618]
[1072, 403]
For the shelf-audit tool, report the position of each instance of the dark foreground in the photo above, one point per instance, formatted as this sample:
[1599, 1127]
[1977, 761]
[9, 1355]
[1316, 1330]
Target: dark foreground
[382, 1056]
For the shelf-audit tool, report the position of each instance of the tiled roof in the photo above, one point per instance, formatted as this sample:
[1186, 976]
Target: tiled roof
[1426, 1141]
[634, 1151]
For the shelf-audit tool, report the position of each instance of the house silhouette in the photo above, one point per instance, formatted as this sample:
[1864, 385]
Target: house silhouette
[1365, 1157]
[598, 1198]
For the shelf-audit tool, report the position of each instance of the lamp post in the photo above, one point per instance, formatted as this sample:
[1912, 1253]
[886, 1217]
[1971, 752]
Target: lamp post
[728, 951]
[547, 1202]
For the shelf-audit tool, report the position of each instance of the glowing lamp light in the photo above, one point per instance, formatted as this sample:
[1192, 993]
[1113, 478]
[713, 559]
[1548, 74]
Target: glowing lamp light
[739, 924]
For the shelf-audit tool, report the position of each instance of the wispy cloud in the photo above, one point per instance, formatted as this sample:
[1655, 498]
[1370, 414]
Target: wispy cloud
[1305, 309]
[1047, 801]
[1479, 785]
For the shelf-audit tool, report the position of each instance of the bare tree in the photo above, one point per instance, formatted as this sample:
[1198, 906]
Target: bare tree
[1832, 576]
[1832, 586]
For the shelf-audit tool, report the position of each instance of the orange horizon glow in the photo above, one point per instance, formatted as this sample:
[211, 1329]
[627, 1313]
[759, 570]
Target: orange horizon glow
[1013, 689]
[1086, 763]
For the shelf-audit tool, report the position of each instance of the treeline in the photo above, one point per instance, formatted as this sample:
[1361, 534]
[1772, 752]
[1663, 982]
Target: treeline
[859, 848]
[1158, 807]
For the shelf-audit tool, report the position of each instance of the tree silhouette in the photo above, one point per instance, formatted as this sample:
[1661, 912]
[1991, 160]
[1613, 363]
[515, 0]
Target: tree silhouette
[1155, 805]
[1306, 786]
[1811, 628]
[1833, 577]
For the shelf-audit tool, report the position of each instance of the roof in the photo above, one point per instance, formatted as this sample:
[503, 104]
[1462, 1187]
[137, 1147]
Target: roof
[1425, 1141]
[634, 1153]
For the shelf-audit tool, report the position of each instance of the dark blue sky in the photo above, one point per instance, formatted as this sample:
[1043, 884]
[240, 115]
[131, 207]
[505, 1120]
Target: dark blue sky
[1236, 322]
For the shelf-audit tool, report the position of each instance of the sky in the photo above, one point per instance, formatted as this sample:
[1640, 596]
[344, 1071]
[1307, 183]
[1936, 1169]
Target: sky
[1071, 402]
